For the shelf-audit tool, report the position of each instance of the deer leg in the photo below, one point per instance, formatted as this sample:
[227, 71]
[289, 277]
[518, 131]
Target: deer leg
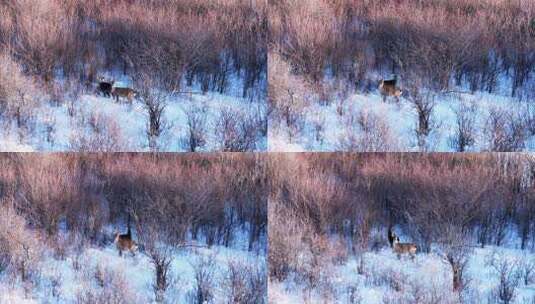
[120, 253]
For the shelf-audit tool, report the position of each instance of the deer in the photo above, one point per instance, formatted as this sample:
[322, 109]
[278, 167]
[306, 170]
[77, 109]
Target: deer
[105, 87]
[389, 88]
[124, 242]
[128, 93]
[401, 248]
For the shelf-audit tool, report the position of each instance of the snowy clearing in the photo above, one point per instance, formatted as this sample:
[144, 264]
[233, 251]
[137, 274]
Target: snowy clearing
[96, 272]
[383, 278]
[326, 127]
[96, 123]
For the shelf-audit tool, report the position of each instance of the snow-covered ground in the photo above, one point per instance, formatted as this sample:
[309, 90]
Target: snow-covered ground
[69, 279]
[97, 121]
[326, 125]
[383, 275]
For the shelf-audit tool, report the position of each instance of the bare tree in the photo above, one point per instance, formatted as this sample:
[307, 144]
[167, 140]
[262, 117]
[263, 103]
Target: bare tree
[506, 290]
[158, 246]
[423, 103]
[465, 127]
[196, 138]
[505, 131]
[526, 269]
[237, 131]
[154, 98]
[455, 251]
[204, 276]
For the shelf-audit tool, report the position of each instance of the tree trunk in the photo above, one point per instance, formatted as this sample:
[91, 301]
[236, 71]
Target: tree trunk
[457, 283]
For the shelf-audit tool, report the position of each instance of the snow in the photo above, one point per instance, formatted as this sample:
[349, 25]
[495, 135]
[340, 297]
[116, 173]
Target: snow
[427, 272]
[69, 122]
[136, 273]
[401, 119]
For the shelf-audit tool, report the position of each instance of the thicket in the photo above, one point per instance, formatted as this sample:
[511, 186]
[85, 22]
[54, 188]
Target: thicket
[211, 198]
[61, 204]
[435, 44]
[204, 42]
[454, 202]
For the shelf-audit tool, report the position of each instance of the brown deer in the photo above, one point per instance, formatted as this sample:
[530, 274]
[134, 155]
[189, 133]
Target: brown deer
[105, 87]
[401, 248]
[124, 242]
[128, 93]
[389, 88]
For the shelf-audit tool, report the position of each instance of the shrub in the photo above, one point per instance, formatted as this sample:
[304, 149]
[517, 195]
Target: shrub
[506, 290]
[204, 278]
[287, 98]
[437, 42]
[78, 39]
[20, 248]
[196, 133]
[246, 283]
[366, 132]
[18, 94]
[505, 131]
[97, 132]
[237, 131]
[464, 136]
[114, 289]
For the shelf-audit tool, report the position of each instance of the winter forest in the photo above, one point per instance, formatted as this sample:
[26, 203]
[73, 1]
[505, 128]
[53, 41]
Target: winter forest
[132, 75]
[409, 75]
[469, 218]
[267, 151]
[197, 228]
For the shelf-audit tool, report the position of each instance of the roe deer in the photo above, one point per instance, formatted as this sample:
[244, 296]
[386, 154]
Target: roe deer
[389, 88]
[401, 248]
[128, 93]
[124, 242]
[105, 87]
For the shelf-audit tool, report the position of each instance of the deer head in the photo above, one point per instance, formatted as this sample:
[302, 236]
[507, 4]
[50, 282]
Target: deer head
[391, 237]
